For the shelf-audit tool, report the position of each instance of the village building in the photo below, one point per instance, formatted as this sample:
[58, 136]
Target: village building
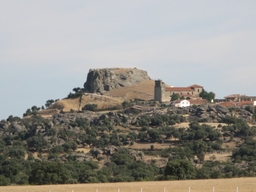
[163, 93]
[181, 103]
[237, 100]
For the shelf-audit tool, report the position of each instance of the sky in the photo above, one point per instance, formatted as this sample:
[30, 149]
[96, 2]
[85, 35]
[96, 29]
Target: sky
[48, 46]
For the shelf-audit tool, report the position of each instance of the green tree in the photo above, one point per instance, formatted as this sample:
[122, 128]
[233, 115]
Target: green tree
[203, 173]
[10, 168]
[180, 169]
[17, 152]
[175, 96]
[69, 146]
[37, 143]
[208, 96]
[122, 157]
[126, 104]
[48, 173]
[154, 135]
[76, 89]
[90, 107]
[49, 103]
[4, 181]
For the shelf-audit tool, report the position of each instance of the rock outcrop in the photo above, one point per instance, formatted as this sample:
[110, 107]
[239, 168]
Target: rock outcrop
[102, 80]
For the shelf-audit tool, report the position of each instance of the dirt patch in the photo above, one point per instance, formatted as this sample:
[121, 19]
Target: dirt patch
[229, 145]
[218, 156]
[84, 150]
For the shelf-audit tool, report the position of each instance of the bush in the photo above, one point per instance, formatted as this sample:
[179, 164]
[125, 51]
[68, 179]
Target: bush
[4, 181]
[180, 169]
[49, 173]
[90, 107]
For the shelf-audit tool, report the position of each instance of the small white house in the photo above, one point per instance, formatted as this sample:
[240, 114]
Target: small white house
[181, 103]
[254, 103]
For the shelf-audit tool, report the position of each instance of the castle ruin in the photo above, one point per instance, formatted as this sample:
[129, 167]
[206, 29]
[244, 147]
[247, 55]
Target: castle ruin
[163, 93]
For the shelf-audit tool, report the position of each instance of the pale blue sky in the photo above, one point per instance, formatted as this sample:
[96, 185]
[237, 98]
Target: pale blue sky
[48, 46]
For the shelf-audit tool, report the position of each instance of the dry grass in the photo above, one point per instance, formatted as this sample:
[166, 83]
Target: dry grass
[113, 98]
[102, 101]
[220, 185]
[143, 90]
[186, 124]
[148, 145]
[223, 157]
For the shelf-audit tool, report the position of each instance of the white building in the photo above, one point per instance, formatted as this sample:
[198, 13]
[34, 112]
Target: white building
[181, 103]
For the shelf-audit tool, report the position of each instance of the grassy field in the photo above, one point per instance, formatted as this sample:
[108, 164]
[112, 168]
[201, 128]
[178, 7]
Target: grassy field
[220, 185]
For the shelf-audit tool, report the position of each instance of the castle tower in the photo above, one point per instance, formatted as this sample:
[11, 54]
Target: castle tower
[159, 90]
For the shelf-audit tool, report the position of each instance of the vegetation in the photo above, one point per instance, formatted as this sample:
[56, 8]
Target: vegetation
[37, 151]
[209, 96]
[77, 92]
[90, 107]
[175, 96]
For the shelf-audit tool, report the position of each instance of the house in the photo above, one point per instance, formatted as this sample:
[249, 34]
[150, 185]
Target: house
[163, 93]
[181, 103]
[190, 91]
[239, 98]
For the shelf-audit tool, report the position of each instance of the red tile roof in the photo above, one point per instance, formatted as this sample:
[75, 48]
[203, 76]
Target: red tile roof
[178, 89]
[189, 88]
[244, 103]
[196, 86]
[233, 96]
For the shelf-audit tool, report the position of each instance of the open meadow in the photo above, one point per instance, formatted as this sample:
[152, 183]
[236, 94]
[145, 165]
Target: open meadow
[220, 185]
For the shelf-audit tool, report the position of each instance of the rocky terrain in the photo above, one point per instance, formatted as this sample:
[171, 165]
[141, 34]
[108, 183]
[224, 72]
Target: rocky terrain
[212, 113]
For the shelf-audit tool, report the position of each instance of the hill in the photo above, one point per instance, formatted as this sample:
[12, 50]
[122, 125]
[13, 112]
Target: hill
[122, 135]
[127, 145]
[109, 88]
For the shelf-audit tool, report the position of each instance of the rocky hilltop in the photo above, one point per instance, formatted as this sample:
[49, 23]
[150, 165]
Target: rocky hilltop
[102, 80]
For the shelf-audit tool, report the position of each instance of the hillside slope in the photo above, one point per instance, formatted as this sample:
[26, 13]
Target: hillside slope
[110, 99]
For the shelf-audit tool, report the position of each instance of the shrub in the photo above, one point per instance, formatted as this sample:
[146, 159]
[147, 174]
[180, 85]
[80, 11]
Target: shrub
[90, 107]
[4, 181]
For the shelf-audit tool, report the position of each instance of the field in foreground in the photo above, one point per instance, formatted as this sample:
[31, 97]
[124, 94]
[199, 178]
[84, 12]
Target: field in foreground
[220, 185]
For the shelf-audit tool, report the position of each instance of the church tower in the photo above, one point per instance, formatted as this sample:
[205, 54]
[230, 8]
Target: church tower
[159, 90]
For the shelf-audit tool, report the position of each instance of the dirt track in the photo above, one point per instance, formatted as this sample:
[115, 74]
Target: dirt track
[220, 185]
